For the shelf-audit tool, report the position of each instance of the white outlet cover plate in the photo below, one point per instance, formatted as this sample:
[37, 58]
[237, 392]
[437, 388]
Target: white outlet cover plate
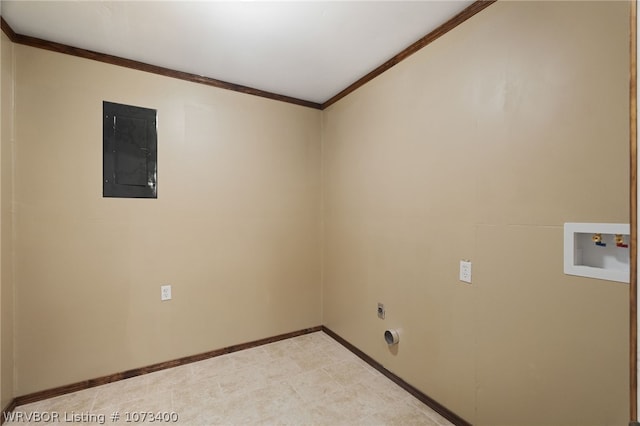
[465, 271]
[165, 292]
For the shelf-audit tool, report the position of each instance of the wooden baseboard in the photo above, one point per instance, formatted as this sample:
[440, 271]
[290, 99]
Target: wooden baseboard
[435, 405]
[8, 409]
[86, 384]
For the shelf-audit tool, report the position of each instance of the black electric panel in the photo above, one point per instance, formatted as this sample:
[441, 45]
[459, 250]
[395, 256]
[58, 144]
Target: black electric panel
[130, 151]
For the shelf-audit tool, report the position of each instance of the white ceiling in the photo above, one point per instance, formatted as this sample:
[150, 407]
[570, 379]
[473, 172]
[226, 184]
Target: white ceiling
[309, 50]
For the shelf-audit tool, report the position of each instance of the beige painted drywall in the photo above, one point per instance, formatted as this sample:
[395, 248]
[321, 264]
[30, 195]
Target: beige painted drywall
[235, 227]
[480, 147]
[6, 221]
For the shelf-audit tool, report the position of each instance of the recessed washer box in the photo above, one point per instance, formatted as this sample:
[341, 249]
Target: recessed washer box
[604, 258]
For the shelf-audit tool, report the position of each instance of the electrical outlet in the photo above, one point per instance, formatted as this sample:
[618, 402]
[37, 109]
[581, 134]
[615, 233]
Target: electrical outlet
[380, 311]
[165, 292]
[465, 271]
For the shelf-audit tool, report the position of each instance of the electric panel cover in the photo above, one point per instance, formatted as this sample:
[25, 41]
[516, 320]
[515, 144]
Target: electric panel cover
[130, 143]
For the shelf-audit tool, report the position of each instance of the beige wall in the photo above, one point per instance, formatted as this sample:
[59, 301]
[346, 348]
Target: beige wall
[6, 221]
[480, 147]
[235, 228]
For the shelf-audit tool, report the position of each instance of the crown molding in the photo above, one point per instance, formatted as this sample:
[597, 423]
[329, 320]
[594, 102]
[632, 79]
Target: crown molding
[141, 66]
[452, 23]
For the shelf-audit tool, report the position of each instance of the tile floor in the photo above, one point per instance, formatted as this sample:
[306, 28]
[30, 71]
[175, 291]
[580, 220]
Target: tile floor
[305, 380]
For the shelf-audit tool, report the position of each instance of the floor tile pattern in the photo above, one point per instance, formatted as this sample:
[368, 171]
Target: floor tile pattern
[305, 380]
